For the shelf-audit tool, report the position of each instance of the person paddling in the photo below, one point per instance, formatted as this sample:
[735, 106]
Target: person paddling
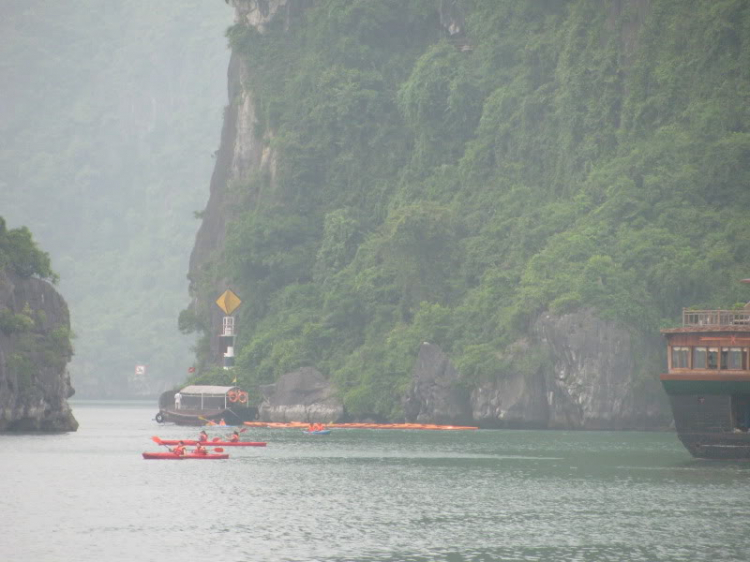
[222, 422]
[235, 436]
[200, 450]
[179, 450]
[203, 436]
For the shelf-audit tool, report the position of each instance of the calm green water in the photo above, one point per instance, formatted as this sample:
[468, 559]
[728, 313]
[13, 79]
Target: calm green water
[359, 495]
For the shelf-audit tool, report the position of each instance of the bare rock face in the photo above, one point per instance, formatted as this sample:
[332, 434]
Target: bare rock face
[594, 382]
[577, 371]
[451, 16]
[516, 398]
[303, 395]
[34, 353]
[437, 395]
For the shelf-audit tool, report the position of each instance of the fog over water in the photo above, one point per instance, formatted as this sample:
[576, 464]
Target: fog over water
[110, 114]
[365, 496]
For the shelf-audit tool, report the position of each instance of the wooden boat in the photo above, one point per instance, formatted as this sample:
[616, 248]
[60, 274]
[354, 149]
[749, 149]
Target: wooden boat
[198, 405]
[708, 382]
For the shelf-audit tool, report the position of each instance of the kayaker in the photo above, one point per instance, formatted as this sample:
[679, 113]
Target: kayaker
[200, 450]
[179, 449]
[235, 436]
[311, 427]
[203, 435]
[222, 422]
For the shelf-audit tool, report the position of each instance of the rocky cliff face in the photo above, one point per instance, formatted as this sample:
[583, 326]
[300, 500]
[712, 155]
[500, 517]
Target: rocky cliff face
[595, 378]
[437, 395]
[579, 372]
[574, 371]
[240, 154]
[34, 353]
[303, 395]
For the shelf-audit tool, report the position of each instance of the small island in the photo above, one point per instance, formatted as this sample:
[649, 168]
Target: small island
[35, 335]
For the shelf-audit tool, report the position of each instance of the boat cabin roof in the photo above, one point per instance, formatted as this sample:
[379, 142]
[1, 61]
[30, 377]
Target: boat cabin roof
[207, 390]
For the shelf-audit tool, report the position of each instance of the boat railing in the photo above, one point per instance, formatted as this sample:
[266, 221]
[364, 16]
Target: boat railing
[715, 317]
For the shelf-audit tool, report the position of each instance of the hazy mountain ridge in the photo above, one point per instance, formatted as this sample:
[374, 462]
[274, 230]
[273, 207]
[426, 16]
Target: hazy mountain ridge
[111, 115]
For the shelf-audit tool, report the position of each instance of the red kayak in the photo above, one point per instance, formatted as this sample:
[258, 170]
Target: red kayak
[174, 457]
[214, 443]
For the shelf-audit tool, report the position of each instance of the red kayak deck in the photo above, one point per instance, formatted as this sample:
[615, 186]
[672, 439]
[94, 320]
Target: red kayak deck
[214, 443]
[174, 457]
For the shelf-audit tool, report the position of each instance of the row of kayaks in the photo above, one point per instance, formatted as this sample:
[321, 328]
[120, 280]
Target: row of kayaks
[217, 445]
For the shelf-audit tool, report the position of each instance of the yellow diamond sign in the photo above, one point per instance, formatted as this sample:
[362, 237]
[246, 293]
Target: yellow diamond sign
[228, 302]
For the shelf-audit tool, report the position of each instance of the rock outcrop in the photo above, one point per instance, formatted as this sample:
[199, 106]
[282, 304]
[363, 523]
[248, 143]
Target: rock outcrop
[303, 395]
[517, 397]
[437, 395]
[595, 380]
[34, 353]
[578, 372]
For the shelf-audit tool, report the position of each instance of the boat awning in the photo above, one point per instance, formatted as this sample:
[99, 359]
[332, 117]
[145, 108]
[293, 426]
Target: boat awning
[206, 390]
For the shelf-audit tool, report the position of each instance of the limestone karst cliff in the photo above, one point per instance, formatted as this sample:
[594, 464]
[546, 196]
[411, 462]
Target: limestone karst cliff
[575, 372]
[532, 188]
[34, 353]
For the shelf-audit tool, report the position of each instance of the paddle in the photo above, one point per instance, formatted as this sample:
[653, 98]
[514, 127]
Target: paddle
[208, 422]
[155, 439]
[228, 437]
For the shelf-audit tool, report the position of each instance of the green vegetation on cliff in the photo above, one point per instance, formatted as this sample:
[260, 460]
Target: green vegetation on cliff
[556, 155]
[32, 343]
[20, 254]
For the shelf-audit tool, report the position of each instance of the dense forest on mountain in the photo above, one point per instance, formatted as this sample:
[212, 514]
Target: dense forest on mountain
[551, 156]
[110, 114]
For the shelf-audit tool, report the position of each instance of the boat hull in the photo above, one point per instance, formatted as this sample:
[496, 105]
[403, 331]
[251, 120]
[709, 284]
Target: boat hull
[174, 457]
[705, 418]
[322, 432]
[197, 418]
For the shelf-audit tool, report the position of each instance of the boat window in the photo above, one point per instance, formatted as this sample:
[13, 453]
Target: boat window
[733, 358]
[713, 357]
[680, 356]
[699, 357]
[741, 411]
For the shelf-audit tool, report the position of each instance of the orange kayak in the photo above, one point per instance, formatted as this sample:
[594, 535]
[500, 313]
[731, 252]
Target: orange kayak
[174, 457]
